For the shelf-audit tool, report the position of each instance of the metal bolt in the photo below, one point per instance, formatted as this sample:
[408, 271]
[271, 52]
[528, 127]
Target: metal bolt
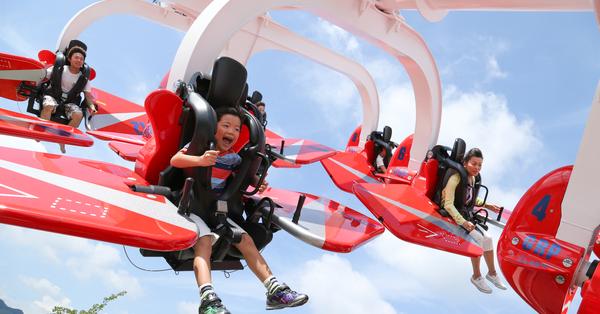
[567, 262]
[560, 279]
[515, 241]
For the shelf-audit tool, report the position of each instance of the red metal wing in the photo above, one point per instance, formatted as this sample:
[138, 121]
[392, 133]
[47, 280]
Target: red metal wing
[300, 151]
[17, 124]
[348, 168]
[412, 217]
[322, 222]
[119, 115]
[16, 69]
[126, 151]
[119, 137]
[87, 199]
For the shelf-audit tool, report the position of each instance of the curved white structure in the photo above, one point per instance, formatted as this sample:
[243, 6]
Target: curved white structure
[264, 34]
[260, 34]
[222, 19]
[95, 11]
[435, 10]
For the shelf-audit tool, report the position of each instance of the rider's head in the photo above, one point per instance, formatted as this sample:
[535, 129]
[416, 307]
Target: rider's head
[261, 107]
[473, 161]
[229, 124]
[76, 56]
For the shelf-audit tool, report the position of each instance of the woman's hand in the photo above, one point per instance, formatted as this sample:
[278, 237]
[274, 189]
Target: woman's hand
[468, 225]
[209, 158]
[492, 207]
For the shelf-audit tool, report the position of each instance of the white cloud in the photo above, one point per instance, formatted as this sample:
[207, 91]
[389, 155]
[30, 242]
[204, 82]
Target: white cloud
[187, 307]
[333, 283]
[51, 295]
[493, 68]
[47, 303]
[42, 285]
[19, 44]
[338, 38]
[20, 143]
[481, 60]
[484, 120]
[86, 259]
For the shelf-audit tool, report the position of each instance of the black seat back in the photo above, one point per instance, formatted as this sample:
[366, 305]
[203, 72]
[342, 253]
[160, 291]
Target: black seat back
[448, 164]
[382, 141]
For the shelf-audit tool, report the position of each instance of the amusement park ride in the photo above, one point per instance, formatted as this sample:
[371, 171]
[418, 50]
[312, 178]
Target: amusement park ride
[545, 248]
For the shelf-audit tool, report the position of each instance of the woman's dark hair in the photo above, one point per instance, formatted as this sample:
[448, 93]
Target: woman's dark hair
[473, 152]
[234, 111]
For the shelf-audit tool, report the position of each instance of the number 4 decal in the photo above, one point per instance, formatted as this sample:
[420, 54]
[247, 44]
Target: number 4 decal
[539, 211]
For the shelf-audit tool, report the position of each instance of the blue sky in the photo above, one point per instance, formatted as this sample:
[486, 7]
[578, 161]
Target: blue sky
[517, 85]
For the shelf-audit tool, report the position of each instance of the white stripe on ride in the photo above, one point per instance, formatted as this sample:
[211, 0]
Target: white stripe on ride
[355, 172]
[443, 224]
[100, 121]
[23, 75]
[291, 151]
[19, 192]
[165, 212]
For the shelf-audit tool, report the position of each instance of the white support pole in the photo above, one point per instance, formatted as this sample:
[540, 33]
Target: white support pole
[95, 11]
[264, 34]
[580, 208]
[245, 43]
[597, 11]
[221, 19]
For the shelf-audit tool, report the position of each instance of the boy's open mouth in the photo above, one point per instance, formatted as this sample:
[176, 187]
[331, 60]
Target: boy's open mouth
[227, 140]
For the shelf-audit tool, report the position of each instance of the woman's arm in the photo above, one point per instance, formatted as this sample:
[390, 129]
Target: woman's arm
[448, 199]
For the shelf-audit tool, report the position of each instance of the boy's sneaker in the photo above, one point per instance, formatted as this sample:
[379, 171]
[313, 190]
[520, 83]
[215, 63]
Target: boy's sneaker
[211, 304]
[496, 281]
[283, 297]
[480, 284]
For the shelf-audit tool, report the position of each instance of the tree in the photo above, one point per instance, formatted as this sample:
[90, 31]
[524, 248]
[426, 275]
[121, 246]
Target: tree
[96, 308]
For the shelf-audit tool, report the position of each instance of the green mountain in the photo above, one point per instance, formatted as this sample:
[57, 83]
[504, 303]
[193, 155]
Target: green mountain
[4, 309]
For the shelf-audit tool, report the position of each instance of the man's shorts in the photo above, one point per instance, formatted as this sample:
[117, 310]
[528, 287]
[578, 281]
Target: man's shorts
[49, 101]
[204, 230]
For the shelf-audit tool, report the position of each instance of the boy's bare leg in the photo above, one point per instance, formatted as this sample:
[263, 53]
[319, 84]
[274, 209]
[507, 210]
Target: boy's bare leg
[46, 112]
[76, 118]
[202, 252]
[255, 261]
[279, 295]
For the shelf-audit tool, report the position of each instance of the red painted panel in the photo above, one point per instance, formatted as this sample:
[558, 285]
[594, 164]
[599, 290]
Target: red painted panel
[536, 264]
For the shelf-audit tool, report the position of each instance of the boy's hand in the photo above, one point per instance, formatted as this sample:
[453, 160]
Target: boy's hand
[93, 108]
[209, 158]
[263, 186]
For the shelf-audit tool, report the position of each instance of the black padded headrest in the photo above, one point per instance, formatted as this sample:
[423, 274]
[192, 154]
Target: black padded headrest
[256, 97]
[387, 134]
[244, 96]
[227, 83]
[458, 150]
[200, 83]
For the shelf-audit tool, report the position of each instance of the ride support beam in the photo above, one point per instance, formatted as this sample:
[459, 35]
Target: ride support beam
[581, 214]
[221, 19]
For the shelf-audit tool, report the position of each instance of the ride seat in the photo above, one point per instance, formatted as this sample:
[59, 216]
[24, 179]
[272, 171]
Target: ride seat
[378, 141]
[36, 93]
[447, 163]
[197, 125]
